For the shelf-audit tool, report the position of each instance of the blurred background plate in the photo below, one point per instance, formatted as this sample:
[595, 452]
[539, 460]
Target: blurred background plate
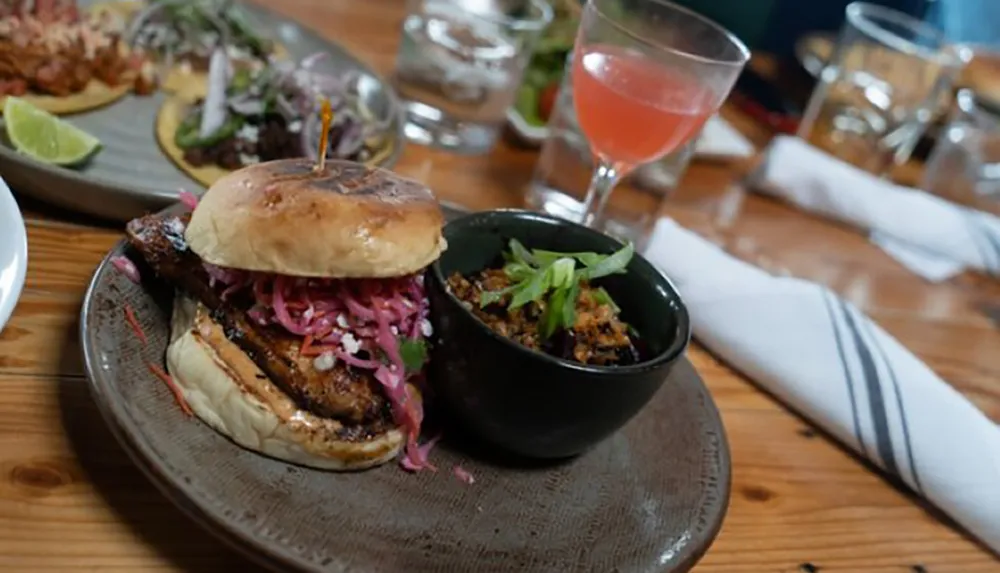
[13, 253]
[650, 498]
[131, 175]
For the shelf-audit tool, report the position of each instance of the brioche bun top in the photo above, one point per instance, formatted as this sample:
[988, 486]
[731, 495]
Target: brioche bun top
[350, 221]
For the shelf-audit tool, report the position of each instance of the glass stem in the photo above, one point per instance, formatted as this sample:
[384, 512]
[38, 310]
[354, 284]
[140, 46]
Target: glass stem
[601, 183]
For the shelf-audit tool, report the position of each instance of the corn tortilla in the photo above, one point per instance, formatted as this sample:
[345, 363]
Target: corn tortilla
[96, 94]
[169, 119]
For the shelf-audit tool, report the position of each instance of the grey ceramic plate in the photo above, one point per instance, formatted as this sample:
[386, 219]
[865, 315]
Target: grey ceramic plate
[650, 498]
[130, 175]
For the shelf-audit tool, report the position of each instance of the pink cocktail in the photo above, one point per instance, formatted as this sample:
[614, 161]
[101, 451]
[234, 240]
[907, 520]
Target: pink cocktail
[647, 75]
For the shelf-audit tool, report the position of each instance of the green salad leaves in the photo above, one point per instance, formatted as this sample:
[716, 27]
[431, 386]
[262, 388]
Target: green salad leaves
[553, 280]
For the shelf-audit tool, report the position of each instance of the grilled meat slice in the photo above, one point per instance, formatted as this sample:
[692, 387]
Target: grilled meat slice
[347, 394]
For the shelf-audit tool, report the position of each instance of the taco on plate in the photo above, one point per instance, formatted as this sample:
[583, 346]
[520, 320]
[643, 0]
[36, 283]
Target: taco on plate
[65, 62]
[180, 35]
[253, 116]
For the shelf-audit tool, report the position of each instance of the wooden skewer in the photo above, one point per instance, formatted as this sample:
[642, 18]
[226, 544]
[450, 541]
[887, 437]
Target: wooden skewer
[326, 116]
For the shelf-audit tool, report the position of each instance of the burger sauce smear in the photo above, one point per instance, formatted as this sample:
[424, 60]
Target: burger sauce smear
[368, 324]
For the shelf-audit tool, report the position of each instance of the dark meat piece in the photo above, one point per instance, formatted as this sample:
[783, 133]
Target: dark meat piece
[274, 141]
[342, 393]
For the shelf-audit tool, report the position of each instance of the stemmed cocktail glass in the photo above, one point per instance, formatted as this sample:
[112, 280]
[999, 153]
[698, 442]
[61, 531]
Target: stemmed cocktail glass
[646, 76]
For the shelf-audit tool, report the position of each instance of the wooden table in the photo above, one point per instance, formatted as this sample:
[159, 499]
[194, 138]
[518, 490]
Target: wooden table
[70, 498]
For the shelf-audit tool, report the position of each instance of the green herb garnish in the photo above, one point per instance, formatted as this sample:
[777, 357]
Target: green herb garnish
[187, 136]
[553, 280]
[413, 351]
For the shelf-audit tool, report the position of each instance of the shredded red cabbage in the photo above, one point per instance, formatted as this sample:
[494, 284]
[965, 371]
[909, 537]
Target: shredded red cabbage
[189, 199]
[463, 475]
[358, 321]
[416, 456]
[126, 267]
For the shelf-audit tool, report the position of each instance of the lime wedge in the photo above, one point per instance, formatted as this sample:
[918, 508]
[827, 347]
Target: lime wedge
[45, 137]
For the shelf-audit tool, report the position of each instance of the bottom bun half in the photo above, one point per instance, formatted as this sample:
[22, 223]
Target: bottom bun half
[227, 391]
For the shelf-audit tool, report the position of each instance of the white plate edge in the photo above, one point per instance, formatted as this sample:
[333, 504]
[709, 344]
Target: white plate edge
[8, 301]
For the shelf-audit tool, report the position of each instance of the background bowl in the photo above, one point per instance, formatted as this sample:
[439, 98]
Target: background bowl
[525, 401]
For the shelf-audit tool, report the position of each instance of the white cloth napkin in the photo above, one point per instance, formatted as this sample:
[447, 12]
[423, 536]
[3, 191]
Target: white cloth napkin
[720, 140]
[932, 237]
[827, 360]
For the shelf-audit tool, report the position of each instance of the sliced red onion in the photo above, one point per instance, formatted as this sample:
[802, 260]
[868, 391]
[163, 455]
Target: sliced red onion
[463, 475]
[416, 459]
[189, 199]
[126, 267]
[213, 111]
[285, 108]
[352, 139]
[310, 137]
[246, 104]
[312, 59]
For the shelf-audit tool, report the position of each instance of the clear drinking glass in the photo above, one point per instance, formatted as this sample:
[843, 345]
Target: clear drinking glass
[888, 77]
[459, 65]
[964, 166]
[565, 164]
[647, 74]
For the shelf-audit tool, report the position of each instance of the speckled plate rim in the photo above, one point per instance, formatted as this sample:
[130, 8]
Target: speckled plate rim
[15, 253]
[112, 189]
[280, 557]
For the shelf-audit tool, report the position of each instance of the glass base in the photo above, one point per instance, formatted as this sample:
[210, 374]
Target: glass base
[430, 126]
[558, 204]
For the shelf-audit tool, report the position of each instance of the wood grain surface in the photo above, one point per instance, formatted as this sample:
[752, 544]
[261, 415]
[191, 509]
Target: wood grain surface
[70, 499]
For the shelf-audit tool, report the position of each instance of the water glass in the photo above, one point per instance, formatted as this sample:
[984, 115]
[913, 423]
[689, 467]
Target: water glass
[565, 164]
[459, 65]
[889, 76]
[964, 165]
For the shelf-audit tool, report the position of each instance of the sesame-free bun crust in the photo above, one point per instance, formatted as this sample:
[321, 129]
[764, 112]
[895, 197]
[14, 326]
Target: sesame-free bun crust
[350, 221]
[227, 391]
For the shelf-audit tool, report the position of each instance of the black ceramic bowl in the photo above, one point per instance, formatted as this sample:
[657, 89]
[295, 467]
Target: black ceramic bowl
[528, 402]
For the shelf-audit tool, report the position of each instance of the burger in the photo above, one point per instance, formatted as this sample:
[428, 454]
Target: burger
[300, 319]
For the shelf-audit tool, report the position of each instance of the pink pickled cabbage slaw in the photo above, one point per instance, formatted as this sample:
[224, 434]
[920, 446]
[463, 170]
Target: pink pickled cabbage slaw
[126, 267]
[359, 321]
[463, 475]
[189, 199]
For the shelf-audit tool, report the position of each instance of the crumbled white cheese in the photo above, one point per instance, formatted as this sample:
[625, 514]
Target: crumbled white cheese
[420, 280]
[350, 344]
[247, 159]
[309, 312]
[249, 133]
[325, 361]
[175, 226]
[295, 126]
[394, 330]
[342, 321]
[425, 328]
